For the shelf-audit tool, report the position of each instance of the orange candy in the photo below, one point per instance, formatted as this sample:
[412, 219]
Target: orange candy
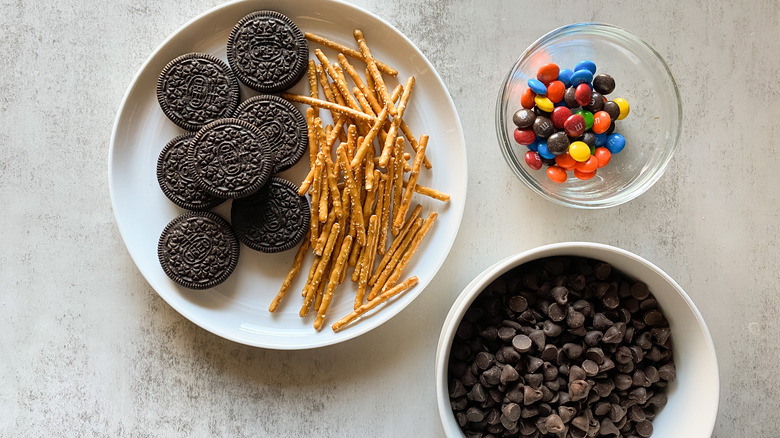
[565, 161]
[584, 175]
[588, 166]
[603, 155]
[527, 99]
[548, 73]
[601, 122]
[556, 174]
[555, 91]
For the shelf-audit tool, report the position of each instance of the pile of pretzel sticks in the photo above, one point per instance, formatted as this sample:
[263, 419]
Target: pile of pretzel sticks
[361, 214]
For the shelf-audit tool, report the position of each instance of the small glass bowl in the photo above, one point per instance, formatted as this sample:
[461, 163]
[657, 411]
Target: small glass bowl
[652, 128]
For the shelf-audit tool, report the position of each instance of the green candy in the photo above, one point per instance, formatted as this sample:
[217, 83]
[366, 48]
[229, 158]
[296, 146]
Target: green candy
[588, 116]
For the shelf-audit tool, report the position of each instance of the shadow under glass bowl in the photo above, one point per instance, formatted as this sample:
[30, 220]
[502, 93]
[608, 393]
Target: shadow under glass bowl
[652, 128]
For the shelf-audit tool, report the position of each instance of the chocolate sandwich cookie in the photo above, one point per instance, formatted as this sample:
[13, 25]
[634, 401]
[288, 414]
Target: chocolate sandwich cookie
[274, 219]
[196, 89]
[176, 182]
[282, 124]
[198, 250]
[267, 51]
[230, 158]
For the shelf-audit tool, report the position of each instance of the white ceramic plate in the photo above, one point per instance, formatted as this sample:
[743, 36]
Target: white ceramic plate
[238, 309]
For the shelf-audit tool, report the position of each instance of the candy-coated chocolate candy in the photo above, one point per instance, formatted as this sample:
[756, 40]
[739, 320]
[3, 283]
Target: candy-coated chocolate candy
[555, 91]
[579, 151]
[588, 138]
[582, 175]
[603, 155]
[543, 127]
[574, 125]
[565, 77]
[601, 122]
[582, 94]
[596, 103]
[527, 99]
[543, 151]
[544, 104]
[586, 65]
[565, 161]
[524, 118]
[588, 117]
[559, 116]
[611, 128]
[537, 87]
[581, 77]
[547, 73]
[525, 136]
[601, 139]
[570, 97]
[612, 109]
[561, 103]
[533, 146]
[604, 84]
[539, 112]
[558, 143]
[533, 160]
[587, 166]
[548, 161]
[556, 174]
[592, 149]
[624, 108]
[615, 143]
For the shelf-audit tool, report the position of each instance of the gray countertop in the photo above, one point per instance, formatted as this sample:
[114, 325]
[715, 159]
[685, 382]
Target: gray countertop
[89, 349]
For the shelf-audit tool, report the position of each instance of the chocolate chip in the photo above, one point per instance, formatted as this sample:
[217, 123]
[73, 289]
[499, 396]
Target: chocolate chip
[551, 329]
[661, 335]
[590, 367]
[474, 414]
[622, 381]
[573, 351]
[554, 424]
[456, 389]
[492, 376]
[522, 343]
[560, 294]
[640, 291]
[638, 395]
[575, 319]
[518, 303]
[515, 394]
[654, 318]
[612, 336]
[556, 312]
[531, 395]
[507, 355]
[534, 380]
[538, 338]
[484, 360]
[578, 390]
[602, 270]
[509, 374]
[549, 352]
[458, 404]
[644, 428]
[601, 322]
[533, 364]
[566, 413]
[477, 393]
[506, 333]
[593, 337]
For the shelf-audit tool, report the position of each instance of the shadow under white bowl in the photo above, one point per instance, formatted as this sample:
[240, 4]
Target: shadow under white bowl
[692, 399]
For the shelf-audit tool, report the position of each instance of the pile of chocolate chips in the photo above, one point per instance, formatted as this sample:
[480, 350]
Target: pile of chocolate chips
[561, 347]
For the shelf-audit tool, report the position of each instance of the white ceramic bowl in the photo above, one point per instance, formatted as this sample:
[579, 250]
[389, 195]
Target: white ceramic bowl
[692, 400]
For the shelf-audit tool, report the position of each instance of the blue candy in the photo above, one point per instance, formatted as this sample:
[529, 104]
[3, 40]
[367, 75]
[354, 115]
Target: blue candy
[586, 65]
[581, 77]
[615, 143]
[537, 87]
[565, 77]
[544, 152]
[533, 146]
[601, 139]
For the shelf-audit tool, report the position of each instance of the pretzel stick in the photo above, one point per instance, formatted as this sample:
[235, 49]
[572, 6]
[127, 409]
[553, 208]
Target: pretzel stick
[375, 73]
[413, 142]
[368, 141]
[323, 238]
[315, 197]
[386, 201]
[354, 195]
[294, 269]
[357, 313]
[410, 251]
[336, 108]
[369, 252]
[381, 277]
[374, 104]
[348, 51]
[397, 118]
[429, 192]
[398, 181]
[406, 200]
[313, 89]
[333, 281]
[341, 83]
[364, 105]
[396, 243]
[330, 173]
[321, 289]
[311, 287]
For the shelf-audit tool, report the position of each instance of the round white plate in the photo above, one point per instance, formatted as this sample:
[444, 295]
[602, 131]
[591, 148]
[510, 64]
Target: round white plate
[238, 308]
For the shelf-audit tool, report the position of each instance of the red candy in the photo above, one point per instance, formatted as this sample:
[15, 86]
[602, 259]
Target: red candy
[555, 90]
[565, 161]
[527, 99]
[533, 160]
[547, 73]
[525, 136]
[582, 94]
[559, 116]
[603, 155]
[556, 174]
[574, 125]
[601, 122]
[588, 166]
[584, 175]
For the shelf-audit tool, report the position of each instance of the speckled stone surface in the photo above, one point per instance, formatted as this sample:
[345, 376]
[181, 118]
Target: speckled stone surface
[89, 349]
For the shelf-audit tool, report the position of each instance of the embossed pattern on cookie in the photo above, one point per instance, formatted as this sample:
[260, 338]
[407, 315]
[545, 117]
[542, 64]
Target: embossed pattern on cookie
[198, 250]
[196, 89]
[175, 179]
[267, 51]
[282, 124]
[230, 158]
[274, 219]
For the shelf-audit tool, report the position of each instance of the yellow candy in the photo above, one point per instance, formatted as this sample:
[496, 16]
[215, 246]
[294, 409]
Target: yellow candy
[579, 150]
[624, 108]
[544, 103]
